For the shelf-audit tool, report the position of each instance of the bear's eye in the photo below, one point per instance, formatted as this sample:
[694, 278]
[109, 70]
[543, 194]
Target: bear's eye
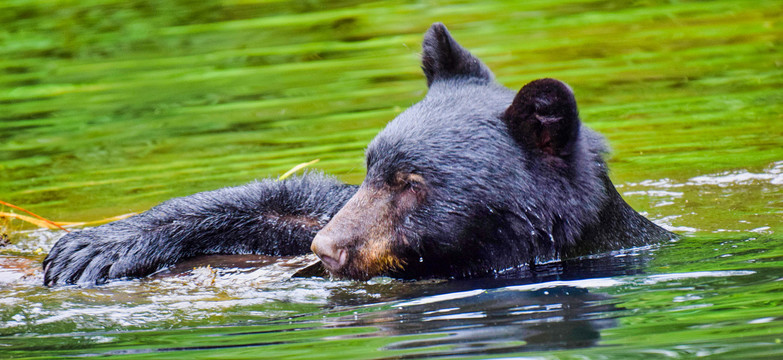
[408, 181]
[409, 191]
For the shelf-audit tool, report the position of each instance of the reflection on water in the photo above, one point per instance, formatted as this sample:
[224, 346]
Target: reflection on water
[496, 321]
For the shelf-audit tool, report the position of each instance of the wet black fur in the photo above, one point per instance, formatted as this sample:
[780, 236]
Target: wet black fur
[509, 182]
[266, 217]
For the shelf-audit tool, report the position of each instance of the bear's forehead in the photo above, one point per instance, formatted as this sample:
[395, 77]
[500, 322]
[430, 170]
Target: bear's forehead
[453, 123]
[450, 109]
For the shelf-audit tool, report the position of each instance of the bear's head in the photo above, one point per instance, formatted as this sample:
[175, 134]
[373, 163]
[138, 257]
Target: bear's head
[471, 180]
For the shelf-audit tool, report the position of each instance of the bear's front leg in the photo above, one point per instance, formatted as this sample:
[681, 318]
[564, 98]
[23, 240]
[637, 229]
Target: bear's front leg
[268, 217]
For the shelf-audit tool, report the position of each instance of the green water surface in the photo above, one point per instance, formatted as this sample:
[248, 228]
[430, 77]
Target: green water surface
[109, 107]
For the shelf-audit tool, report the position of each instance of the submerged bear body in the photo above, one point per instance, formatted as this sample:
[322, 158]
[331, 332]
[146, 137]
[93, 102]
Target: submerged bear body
[472, 180]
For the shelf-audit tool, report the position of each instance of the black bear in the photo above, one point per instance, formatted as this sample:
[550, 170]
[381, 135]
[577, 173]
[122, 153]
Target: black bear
[472, 180]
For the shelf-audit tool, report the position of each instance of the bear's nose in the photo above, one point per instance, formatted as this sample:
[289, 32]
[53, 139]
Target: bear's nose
[326, 248]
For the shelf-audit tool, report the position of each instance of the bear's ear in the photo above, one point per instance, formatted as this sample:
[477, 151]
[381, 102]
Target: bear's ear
[543, 116]
[443, 58]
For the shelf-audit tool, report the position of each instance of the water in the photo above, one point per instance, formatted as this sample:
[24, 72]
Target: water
[110, 107]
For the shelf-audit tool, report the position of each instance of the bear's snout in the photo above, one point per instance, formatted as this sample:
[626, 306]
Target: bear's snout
[331, 255]
[357, 241]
